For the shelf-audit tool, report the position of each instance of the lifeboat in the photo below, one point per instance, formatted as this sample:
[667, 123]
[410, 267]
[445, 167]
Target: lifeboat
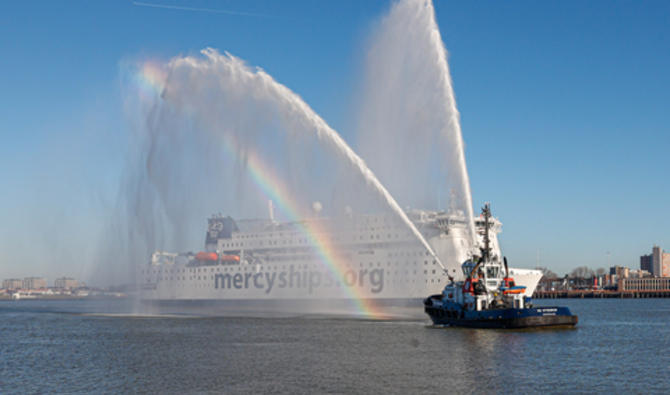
[230, 258]
[514, 290]
[207, 256]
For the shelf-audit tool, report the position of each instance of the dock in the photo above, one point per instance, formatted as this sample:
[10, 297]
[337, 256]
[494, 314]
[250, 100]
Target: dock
[586, 293]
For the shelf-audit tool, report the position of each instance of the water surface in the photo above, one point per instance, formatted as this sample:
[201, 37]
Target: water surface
[84, 346]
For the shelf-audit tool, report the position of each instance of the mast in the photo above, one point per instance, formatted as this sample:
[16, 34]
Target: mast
[486, 251]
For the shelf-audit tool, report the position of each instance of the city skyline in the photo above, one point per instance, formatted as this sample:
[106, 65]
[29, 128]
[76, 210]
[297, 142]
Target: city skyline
[562, 109]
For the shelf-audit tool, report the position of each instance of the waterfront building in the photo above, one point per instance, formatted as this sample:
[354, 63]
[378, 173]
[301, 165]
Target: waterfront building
[12, 283]
[34, 283]
[639, 274]
[663, 259]
[645, 284]
[657, 263]
[620, 271]
[65, 283]
[646, 262]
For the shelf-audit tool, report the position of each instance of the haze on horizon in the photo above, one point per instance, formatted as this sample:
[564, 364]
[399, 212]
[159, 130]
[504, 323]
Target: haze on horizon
[562, 112]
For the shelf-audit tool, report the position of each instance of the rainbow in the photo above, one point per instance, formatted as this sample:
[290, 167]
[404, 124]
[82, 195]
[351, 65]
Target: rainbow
[317, 235]
[152, 79]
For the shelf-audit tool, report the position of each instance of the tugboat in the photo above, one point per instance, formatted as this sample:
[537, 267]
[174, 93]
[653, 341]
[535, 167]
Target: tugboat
[488, 297]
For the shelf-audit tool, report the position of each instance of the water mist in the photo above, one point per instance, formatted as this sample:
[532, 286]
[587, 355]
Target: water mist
[409, 126]
[245, 108]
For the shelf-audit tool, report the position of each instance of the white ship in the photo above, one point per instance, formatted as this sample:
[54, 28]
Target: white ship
[362, 264]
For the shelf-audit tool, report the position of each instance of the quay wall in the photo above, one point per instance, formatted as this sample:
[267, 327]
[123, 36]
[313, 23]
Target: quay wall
[659, 293]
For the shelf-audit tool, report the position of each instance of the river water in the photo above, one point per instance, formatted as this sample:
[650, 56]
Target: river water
[67, 347]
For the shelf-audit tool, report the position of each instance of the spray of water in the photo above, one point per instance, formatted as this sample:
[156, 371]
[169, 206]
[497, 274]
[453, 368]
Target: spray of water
[409, 126]
[226, 96]
[409, 134]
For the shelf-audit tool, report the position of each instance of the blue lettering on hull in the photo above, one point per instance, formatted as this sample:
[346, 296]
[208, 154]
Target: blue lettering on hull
[300, 279]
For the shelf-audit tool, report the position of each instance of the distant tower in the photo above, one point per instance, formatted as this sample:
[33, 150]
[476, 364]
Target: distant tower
[646, 263]
[656, 261]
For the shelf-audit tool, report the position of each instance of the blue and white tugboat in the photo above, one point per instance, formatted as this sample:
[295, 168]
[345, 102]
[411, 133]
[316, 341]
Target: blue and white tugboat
[488, 297]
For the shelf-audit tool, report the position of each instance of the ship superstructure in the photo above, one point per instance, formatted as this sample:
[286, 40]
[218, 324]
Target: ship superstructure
[358, 256]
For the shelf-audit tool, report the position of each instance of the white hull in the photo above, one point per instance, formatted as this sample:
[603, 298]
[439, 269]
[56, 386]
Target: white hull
[376, 263]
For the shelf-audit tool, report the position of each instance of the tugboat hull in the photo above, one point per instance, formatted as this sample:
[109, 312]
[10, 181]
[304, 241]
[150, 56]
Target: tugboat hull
[510, 318]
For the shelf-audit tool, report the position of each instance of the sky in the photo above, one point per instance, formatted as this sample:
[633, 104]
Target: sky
[564, 110]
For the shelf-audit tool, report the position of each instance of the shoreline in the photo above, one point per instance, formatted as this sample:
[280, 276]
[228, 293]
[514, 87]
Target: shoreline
[60, 297]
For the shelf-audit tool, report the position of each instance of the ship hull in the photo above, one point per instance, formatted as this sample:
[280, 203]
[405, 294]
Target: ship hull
[536, 317]
[373, 267]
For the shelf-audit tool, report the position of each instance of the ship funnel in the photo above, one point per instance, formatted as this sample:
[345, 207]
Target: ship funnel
[271, 210]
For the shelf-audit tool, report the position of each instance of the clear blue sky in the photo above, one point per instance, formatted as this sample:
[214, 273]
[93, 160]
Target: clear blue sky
[564, 110]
